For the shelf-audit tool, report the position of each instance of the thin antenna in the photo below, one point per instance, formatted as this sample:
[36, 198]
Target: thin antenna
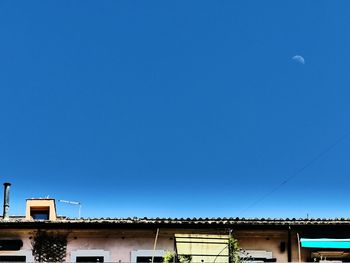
[73, 203]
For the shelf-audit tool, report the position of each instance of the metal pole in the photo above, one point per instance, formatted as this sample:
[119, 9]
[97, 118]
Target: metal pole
[299, 250]
[175, 250]
[155, 244]
[79, 211]
[6, 201]
[289, 250]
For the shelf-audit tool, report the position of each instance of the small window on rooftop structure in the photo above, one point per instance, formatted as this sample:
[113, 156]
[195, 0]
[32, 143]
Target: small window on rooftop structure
[40, 213]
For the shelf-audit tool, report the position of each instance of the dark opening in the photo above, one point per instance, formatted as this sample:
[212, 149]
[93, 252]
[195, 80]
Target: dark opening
[15, 244]
[89, 259]
[41, 213]
[12, 258]
[149, 259]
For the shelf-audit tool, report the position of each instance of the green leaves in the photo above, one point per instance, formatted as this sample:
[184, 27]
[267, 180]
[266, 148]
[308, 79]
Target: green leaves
[170, 256]
[234, 250]
[49, 247]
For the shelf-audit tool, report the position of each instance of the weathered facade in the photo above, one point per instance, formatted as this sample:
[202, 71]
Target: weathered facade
[124, 240]
[41, 235]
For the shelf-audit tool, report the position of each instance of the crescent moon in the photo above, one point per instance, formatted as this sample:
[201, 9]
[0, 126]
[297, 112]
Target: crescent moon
[299, 59]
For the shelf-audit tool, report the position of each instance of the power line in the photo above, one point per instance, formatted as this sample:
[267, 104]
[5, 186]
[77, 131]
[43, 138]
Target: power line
[298, 172]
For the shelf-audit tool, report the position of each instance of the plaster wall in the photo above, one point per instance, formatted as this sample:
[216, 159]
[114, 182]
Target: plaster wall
[26, 249]
[264, 240]
[119, 248]
[120, 244]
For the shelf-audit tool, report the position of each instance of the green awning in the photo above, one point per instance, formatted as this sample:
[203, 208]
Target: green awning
[325, 243]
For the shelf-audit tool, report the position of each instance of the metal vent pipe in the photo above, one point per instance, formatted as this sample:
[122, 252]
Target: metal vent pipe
[5, 214]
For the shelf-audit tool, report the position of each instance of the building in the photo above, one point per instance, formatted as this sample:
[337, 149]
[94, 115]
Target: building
[42, 235]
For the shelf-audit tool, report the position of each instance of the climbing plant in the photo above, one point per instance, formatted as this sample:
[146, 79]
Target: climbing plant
[170, 257]
[185, 258]
[234, 250]
[49, 247]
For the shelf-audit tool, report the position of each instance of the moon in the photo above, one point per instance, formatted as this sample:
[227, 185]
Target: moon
[299, 59]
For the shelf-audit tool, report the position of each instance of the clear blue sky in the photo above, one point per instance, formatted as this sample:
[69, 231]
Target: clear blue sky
[176, 108]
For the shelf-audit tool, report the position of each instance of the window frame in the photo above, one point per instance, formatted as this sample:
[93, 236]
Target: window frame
[25, 253]
[146, 253]
[90, 253]
[40, 210]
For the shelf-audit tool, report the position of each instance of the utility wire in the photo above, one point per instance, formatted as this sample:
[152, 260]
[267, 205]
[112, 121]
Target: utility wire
[298, 172]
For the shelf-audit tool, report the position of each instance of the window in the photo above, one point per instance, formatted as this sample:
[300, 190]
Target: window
[255, 256]
[89, 259]
[149, 259]
[93, 255]
[16, 256]
[40, 213]
[145, 256]
[12, 258]
[10, 244]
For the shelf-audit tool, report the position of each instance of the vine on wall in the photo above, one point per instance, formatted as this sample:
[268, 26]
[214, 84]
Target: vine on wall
[49, 247]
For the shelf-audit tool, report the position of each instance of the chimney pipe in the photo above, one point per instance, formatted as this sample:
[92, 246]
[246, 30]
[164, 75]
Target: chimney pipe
[6, 201]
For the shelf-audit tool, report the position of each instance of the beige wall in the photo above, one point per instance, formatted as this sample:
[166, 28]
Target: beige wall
[264, 240]
[26, 249]
[120, 249]
[120, 243]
